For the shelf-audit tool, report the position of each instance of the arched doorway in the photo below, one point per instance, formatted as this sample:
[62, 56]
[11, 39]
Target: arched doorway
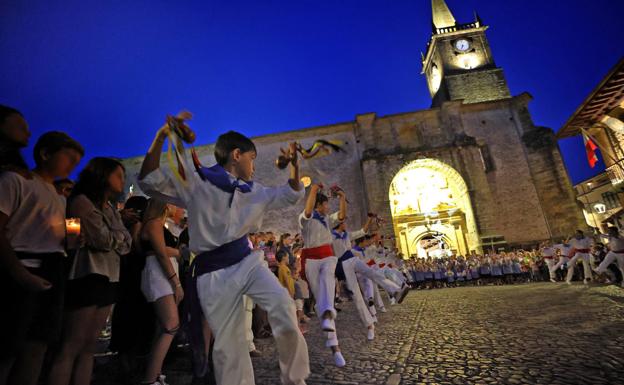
[431, 210]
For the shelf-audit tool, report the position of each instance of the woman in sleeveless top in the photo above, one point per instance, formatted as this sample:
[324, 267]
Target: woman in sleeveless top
[160, 284]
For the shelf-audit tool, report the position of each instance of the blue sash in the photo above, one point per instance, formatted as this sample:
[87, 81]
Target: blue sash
[223, 256]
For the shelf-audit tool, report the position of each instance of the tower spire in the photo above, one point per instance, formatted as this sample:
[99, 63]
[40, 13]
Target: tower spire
[442, 16]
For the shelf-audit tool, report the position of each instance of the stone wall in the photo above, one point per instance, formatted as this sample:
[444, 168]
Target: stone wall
[522, 193]
[478, 86]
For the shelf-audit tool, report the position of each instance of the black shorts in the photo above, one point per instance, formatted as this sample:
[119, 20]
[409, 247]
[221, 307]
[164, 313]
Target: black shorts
[90, 290]
[30, 316]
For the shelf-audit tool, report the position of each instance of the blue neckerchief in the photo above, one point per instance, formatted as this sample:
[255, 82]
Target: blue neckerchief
[358, 248]
[319, 218]
[221, 179]
[337, 235]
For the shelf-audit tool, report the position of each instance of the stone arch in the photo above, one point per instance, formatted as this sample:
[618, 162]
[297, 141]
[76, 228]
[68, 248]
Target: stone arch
[427, 195]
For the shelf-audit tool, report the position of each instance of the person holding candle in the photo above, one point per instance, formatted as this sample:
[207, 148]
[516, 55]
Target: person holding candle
[32, 239]
[94, 274]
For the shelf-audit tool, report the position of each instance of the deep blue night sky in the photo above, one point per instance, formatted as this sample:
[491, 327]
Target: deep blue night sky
[108, 72]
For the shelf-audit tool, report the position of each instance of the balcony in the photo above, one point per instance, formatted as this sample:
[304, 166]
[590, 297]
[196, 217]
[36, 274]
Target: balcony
[616, 173]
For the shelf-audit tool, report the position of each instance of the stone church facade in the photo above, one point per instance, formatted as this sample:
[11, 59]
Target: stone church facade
[472, 172]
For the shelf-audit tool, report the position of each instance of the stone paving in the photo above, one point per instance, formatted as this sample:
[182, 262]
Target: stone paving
[521, 334]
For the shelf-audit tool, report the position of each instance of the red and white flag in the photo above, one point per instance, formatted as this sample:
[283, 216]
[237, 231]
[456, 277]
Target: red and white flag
[590, 149]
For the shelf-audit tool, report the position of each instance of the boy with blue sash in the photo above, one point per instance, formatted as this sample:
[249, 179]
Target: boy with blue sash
[346, 270]
[224, 206]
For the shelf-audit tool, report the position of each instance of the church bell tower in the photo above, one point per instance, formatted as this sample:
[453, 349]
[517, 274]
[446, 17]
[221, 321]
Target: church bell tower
[458, 63]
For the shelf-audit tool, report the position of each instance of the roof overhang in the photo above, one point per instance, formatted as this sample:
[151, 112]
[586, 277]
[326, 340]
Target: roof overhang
[607, 96]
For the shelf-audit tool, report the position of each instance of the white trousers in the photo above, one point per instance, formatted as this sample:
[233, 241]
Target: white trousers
[352, 283]
[321, 274]
[562, 260]
[550, 263]
[394, 275]
[586, 266]
[609, 259]
[249, 305]
[221, 297]
[377, 276]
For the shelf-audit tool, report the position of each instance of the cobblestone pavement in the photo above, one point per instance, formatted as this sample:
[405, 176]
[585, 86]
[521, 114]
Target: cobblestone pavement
[532, 334]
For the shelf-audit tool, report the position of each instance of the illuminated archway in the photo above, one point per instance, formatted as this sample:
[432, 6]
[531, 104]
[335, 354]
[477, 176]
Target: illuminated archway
[430, 198]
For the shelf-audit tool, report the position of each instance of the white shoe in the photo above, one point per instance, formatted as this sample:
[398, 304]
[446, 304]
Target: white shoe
[383, 310]
[339, 360]
[161, 380]
[392, 301]
[371, 333]
[553, 280]
[327, 325]
[569, 283]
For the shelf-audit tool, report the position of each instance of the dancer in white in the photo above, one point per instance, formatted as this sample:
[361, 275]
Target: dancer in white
[346, 269]
[581, 247]
[224, 206]
[616, 252]
[548, 253]
[319, 260]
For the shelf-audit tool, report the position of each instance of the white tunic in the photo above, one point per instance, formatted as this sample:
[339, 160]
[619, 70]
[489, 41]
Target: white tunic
[342, 245]
[212, 222]
[548, 251]
[615, 244]
[314, 232]
[581, 244]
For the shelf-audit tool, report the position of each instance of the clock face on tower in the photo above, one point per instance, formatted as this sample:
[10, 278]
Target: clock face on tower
[462, 45]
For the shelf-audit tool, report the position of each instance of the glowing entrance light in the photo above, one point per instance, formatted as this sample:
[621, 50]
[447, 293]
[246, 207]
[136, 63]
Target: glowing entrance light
[429, 202]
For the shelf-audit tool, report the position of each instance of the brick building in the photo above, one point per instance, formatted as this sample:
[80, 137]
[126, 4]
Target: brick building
[470, 173]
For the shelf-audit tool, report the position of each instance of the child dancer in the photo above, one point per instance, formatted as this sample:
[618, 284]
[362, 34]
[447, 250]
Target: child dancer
[347, 264]
[319, 260]
[616, 252]
[224, 205]
[581, 246]
[548, 254]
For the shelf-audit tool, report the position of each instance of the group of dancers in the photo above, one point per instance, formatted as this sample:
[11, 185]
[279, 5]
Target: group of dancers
[583, 248]
[227, 272]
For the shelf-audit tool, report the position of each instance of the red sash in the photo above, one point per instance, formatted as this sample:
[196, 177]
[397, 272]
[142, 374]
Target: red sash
[320, 252]
[371, 262]
[381, 265]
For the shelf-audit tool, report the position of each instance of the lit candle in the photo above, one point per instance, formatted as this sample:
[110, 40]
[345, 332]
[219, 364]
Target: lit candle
[73, 226]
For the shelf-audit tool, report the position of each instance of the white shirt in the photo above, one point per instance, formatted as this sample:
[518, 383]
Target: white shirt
[342, 245]
[314, 232]
[581, 244]
[548, 251]
[36, 214]
[615, 244]
[371, 253]
[563, 249]
[212, 222]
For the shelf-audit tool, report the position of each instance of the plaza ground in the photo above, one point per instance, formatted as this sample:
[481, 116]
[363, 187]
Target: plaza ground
[540, 333]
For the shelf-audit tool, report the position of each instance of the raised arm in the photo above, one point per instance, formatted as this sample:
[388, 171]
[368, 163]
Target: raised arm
[151, 161]
[310, 200]
[367, 224]
[342, 214]
[294, 182]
